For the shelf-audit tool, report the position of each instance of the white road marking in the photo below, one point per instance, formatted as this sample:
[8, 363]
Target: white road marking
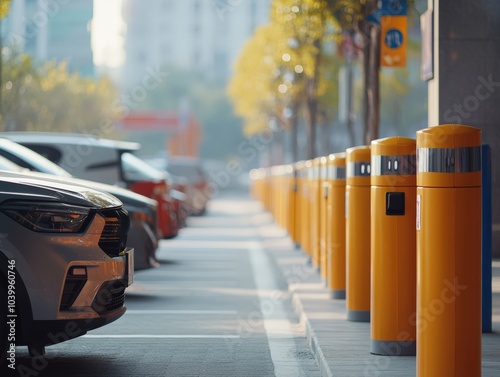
[215, 312]
[152, 336]
[279, 332]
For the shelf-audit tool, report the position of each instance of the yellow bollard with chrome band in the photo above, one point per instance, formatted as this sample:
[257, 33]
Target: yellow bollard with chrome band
[335, 223]
[449, 251]
[393, 247]
[358, 234]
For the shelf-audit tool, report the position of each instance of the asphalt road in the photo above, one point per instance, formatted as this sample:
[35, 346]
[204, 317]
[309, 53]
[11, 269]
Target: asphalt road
[215, 307]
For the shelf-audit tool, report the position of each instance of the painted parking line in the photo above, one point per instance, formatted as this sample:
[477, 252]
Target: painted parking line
[153, 336]
[279, 332]
[208, 312]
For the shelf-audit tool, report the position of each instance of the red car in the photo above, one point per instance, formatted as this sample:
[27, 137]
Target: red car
[143, 179]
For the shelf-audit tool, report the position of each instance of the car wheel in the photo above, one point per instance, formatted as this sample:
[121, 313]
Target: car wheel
[4, 342]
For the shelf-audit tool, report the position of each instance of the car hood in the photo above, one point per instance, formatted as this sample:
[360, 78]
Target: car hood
[20, 186]
[127, 197]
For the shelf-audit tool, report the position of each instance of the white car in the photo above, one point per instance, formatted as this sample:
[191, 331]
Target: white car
[64, 266]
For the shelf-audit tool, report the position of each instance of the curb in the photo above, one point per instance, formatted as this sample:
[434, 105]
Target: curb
[312, 340]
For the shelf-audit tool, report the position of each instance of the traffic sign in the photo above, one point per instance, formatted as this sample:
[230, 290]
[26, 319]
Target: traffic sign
[393, 41]
[394, 7]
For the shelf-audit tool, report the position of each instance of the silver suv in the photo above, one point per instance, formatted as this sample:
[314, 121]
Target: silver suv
[64, 266]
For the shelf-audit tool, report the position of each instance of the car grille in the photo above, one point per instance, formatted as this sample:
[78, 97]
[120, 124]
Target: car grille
[111, 296]
[114, 235]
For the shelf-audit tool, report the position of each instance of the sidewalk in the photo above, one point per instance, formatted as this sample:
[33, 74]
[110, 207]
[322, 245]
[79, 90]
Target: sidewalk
[341, 347]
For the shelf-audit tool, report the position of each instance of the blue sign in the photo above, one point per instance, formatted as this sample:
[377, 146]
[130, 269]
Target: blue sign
[393, 38]
[388, 8]
[394, 7]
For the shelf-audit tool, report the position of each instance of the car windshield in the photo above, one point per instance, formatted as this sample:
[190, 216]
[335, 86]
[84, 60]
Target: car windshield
[134, 169]
[26, 158]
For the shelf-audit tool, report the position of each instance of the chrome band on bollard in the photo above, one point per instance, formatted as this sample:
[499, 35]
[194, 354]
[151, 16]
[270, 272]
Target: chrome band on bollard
[449, 160]
[336, 172]
[394, 165]
[358, 169]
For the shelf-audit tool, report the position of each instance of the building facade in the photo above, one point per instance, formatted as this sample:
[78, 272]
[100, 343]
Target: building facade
[192, 34]
[52, 30]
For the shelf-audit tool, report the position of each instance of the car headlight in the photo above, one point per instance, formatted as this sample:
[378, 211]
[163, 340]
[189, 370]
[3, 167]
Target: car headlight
[48, 217]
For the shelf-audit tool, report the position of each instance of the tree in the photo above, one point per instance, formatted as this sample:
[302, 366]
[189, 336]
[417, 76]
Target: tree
[18, 92]
[254, 86]
[360, 17]
[286, 68]
[302, 34]
[49, 97]
[4, 8]
[309, 29]
[353, 17]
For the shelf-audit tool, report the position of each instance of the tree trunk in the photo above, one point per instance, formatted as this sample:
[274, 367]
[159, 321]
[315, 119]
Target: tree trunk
[369, 34]
[312, 102]
[311, 126]
[373, 89]
[350, 114]
[294, 127]
[365, 59]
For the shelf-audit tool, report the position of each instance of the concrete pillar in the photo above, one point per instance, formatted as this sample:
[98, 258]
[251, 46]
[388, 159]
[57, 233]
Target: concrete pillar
[466, 84]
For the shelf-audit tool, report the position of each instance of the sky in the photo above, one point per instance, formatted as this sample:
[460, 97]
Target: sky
[107, 33]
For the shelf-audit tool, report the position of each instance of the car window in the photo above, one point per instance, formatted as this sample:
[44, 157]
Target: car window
[6, 164]
[48, 152]
[134, 169]
[28, 159]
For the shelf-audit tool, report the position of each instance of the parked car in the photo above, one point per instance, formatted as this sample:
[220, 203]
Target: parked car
[107, 161]
[63, 261]
[142, 210]
[179, 184]
[196, 182]
[198, 189]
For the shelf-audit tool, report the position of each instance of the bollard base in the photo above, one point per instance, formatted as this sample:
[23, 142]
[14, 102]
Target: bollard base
[358, 315]
[393, 348]
[338, 294]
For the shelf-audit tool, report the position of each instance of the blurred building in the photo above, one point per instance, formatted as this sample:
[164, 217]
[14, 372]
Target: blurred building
[191, 34]
[52, 30]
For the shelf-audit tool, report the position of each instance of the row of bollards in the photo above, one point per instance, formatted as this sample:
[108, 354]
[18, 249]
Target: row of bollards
[395, 230]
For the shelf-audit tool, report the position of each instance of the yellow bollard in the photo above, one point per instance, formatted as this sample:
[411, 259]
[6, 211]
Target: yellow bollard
[267, 189]
[449, 252]
[393, 247]
[299, 171]
[322, 204]
[335, 223]
[306, 205]
[315, 205]
[291, 200]
[358, 234]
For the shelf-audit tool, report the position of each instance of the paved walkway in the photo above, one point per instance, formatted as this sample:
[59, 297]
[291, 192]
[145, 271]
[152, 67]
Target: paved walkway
[341, 347]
